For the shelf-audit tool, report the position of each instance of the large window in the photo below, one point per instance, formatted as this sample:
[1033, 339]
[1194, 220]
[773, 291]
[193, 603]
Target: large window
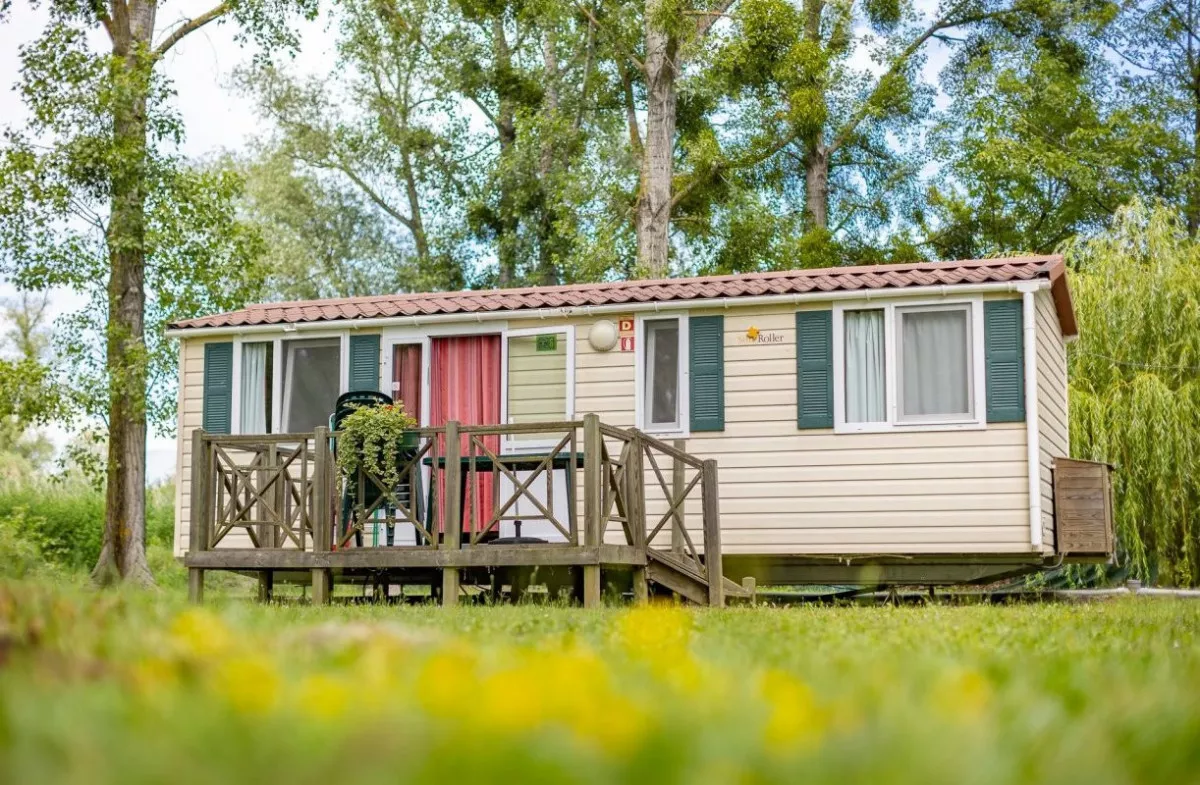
[663, 391]
[908, 366]
[311, 382]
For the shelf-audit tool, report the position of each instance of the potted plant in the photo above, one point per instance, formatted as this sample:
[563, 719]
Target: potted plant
[375, 438]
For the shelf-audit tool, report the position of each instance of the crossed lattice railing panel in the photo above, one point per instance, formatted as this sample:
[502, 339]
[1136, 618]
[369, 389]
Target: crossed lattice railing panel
[482, 459]
[262, 486]
[369, 500]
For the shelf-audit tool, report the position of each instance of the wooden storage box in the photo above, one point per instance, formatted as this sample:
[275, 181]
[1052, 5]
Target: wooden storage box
[1083, 508]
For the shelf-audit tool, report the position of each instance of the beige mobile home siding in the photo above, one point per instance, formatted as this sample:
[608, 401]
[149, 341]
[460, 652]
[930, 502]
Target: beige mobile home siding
[191, 413]
[536, 384]
[785, 490]
[1053, 432]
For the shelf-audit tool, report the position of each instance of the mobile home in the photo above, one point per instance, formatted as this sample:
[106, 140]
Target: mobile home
[886, 424]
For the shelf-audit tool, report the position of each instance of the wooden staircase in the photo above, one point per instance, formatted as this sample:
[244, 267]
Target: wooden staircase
[678, 574]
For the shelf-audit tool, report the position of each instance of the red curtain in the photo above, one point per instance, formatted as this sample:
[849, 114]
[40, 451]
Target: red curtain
[465, 386]
[406, 377]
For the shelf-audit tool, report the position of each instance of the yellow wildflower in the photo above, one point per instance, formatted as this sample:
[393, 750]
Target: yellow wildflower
[655, 631]
[152, 674]
[249, 684]
[447, 682]
[199, 633]
[323, 696]
[962, 694]
[794, 719]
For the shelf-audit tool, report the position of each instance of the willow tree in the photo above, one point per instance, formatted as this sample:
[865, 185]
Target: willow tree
[1135, 383]
[93, 197]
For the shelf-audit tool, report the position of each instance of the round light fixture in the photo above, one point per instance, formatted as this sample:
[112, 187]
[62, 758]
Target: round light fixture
[603, 335]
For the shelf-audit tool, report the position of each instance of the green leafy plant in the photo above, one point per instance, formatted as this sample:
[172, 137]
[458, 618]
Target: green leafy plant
[372, 438]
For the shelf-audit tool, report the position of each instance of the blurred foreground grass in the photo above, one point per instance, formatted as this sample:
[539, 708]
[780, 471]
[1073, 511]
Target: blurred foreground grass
[141, 688]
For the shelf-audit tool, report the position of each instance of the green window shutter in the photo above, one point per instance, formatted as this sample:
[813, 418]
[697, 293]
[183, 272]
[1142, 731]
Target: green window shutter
[1004, 354]
[218, 387]
[706, 356]
[814, 369]
[364, 363]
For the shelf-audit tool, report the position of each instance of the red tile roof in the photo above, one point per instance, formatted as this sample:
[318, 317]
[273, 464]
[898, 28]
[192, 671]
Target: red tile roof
[833, 279]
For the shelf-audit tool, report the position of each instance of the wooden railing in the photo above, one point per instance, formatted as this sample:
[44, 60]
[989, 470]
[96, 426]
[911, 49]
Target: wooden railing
[285, 492]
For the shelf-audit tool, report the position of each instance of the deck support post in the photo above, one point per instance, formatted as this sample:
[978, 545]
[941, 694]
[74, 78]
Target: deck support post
[322, 586]
[266, 585]
[641, 589]
[749, 586]
[593, 504]
[712, 535]
[198, 523]
[195, 585]
[452, 521]
[324, 493]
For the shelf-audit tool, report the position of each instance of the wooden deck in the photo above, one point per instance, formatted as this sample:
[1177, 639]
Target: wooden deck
[274, 504]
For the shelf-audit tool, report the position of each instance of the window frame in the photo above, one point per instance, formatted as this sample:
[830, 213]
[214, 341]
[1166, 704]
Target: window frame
[682, 428]
[567, 332]
[977, 382]
[277, 341]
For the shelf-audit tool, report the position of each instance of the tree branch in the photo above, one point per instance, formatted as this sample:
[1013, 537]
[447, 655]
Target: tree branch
[709, 18]
[640, 66]
[190, 26]
[868, 105]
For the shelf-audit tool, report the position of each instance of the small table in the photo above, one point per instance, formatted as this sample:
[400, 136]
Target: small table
[563, 461]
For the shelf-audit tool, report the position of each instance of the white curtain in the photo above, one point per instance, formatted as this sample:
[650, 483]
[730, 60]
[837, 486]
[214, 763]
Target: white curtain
[253, 418]
[935, 363]
[864, 366]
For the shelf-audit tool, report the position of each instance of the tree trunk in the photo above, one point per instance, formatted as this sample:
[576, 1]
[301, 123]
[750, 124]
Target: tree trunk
[123, 549]
[653, 215]
[816, 153]
[816, 185]
[547, 267]
[506, 240]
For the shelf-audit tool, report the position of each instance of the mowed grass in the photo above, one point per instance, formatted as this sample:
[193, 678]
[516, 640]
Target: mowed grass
[142, 688]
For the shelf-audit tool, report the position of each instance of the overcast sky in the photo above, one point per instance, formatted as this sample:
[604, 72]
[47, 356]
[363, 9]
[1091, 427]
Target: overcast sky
[215, 117]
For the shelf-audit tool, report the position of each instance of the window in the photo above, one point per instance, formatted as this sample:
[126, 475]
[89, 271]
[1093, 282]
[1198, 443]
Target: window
[257, 383]
[663, 390]
[539, 380]
[935, 363]
[311, 382]
[907, 366]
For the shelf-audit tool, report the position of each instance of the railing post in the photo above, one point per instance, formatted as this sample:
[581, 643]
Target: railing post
[324, 492]
[635, 491]
[712, 534]
[452, 518]
[198, 513]
[678, 520]
[593, 504]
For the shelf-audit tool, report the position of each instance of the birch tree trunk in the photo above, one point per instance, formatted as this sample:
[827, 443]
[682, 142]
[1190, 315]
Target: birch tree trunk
[123, 550]
[653, 213]
[506, 240]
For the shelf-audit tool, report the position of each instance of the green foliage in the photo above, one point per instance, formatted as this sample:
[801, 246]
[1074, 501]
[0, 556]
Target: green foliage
[1135, 398]
[372, 437]
[62, 521]
[1092, 693]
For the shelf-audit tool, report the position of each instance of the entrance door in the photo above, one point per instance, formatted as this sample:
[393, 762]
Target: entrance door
[465, 386]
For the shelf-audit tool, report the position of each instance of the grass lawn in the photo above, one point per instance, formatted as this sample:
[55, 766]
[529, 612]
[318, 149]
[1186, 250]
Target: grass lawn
[141, 688]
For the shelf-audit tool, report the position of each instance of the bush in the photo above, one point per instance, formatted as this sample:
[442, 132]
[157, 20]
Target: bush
[65, 521]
